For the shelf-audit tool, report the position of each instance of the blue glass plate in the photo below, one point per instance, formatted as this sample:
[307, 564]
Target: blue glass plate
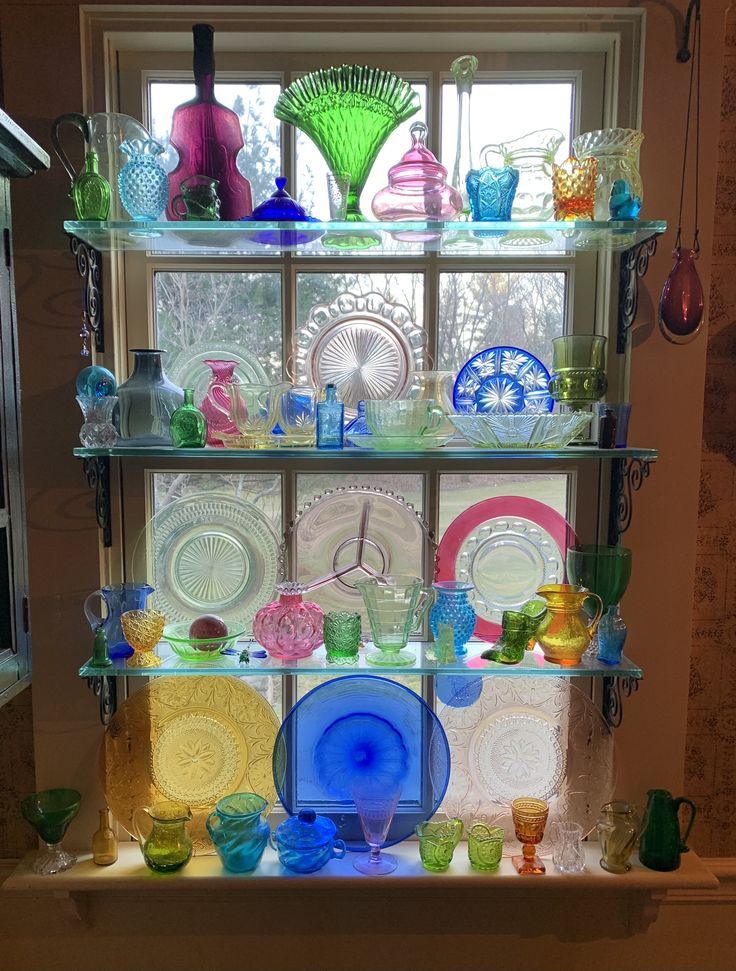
[362, 731]
[502, 381]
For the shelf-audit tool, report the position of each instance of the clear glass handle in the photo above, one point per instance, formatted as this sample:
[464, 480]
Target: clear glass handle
[94, 619]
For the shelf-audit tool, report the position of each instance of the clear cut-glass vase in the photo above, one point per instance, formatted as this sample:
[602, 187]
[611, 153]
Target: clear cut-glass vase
[98, 430]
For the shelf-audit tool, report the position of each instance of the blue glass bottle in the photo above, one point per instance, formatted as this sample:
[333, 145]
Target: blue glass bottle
[453, 607]
[330, 418]
[612, 632]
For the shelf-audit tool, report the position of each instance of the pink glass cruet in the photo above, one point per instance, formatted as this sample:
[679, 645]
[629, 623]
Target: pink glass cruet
[216, 405]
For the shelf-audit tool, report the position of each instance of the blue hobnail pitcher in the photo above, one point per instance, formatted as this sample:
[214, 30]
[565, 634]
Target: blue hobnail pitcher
[142, 182]
[117, 597]
[238, 831]
[452, 607]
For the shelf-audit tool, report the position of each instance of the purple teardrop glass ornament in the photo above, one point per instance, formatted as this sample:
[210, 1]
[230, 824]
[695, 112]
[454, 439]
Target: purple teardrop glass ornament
[682, 302]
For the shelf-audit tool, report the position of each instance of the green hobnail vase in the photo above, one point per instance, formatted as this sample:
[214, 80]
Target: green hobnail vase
[348, 112]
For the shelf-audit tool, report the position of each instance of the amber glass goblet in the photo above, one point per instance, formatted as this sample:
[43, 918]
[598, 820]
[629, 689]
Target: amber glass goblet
[530, 817]
[143, 630]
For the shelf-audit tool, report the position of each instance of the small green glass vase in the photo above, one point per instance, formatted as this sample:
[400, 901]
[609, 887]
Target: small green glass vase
[348, 112]
[188, 424]
[91, 192]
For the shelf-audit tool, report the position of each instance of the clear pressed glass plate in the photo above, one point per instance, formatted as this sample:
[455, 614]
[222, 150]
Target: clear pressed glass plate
[187, 368]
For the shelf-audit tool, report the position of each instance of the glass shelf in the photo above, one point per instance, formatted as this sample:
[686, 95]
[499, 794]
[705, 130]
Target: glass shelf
[358, 455]
[473, 666]
[506, 240]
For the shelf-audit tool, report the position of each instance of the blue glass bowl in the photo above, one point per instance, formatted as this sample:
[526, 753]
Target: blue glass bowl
[364, 732]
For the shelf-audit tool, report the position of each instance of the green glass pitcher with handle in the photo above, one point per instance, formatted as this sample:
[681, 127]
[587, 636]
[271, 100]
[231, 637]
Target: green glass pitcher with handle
[662, 840]
[164, 841]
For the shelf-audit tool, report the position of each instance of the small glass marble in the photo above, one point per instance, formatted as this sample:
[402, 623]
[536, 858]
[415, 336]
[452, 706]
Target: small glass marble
[485, 846]
[342, 636]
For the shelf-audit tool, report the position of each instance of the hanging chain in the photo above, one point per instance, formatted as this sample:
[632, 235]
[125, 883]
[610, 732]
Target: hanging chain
[694, 83]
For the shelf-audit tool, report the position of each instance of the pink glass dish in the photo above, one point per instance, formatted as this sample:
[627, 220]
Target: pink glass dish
[290, 627]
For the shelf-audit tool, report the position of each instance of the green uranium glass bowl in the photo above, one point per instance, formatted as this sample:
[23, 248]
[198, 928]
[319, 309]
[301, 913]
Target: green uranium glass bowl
[348, 112]
[200, 648]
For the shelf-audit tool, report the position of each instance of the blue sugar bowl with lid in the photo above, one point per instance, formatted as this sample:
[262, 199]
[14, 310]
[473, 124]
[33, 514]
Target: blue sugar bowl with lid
[305, 843]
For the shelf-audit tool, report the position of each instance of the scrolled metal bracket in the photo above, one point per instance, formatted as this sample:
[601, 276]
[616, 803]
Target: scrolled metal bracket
[614, 691]
[97, 470]
[632, 267]
[627, 477]
[106, 689]
[89, 268]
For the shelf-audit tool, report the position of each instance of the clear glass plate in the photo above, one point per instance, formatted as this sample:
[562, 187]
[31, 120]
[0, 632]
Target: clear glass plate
[187, 369]
[211, 554]
[365, 345]
[533, 737]
[415, 443]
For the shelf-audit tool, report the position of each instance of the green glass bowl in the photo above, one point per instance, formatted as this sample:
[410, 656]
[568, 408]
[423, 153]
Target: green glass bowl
[200, 648]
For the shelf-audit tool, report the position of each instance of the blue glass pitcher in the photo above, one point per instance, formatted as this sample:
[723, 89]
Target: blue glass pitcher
[238, 831]
[117, 598]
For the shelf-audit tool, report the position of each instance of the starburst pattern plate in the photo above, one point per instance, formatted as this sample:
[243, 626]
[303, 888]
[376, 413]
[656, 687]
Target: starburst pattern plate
[528, 737]
[212, 554]
[364, 344]
[189, 739]
[507, 547]
[503, 381]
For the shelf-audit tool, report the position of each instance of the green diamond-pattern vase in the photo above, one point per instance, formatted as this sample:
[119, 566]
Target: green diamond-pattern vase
[348, 112]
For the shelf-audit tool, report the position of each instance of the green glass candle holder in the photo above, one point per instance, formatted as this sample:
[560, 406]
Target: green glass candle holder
[485, 846]
[437, 842]
[341, 634]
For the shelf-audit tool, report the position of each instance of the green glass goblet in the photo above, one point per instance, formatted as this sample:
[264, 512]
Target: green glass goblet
[50, 812]
[341, 634]
[605, 570]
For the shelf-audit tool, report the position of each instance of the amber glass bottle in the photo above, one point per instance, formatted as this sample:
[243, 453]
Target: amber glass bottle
[104, 842]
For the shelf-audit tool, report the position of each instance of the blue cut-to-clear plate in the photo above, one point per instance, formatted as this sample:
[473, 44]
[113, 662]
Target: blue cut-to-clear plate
[362, 732]
[502, 380]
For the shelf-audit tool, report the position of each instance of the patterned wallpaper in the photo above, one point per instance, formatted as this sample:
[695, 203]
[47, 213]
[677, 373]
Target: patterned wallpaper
[710, 768]
[17, 774]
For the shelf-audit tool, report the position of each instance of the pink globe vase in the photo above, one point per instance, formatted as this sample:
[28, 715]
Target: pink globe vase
[289, 628]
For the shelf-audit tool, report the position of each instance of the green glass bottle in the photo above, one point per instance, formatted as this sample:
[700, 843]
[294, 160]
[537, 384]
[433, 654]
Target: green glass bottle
[188, 424]
[91, 192]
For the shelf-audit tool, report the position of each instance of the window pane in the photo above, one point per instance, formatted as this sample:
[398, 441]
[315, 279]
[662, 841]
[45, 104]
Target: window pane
[311, 168]
[347, 322]
[235, 316]
[479, 310]
[260, 159]
[502, 112]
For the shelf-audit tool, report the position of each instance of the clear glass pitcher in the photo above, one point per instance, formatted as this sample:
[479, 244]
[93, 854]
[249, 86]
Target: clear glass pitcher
[532, 155]
[252, 408]
[618, 830]
[168, 845]
[118, 598]
[103, 133]
[396, 605]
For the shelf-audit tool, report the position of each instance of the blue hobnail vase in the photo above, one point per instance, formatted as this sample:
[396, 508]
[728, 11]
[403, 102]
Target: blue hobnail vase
[452, 606]
[142, 182]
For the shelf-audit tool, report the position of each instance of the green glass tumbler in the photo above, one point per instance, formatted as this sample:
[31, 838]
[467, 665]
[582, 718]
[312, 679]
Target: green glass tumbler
[485, 846]
[579, 351]
[437, 842]
[341, 634]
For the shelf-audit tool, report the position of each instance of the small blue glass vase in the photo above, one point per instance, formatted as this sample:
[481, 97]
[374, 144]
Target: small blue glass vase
[612, 632]
[491, 192]
[142, 182]
[452, 607]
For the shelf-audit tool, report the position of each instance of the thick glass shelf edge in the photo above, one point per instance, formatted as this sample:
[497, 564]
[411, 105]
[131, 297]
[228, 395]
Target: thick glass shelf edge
[473, 666]
[509, 240]
[361, 455]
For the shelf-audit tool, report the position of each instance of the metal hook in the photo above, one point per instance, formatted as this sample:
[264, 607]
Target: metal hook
[684, 53]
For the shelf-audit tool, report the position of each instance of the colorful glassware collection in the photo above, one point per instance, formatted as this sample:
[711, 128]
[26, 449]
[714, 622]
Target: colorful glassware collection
[349, 113]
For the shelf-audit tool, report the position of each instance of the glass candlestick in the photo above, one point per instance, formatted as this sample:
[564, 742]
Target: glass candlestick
[530, 817]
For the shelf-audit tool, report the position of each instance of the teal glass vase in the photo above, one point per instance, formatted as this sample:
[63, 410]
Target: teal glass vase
[188, 425]
[348, 112]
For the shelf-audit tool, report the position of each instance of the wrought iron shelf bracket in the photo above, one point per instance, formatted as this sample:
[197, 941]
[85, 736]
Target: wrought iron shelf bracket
[614, 692]
[97, 471]
[89, 268]
[627, 477]
[633, 265]
[106, 689]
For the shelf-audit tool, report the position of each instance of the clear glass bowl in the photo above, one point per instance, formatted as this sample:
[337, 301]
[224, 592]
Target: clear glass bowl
[200, 648]
[528, 430]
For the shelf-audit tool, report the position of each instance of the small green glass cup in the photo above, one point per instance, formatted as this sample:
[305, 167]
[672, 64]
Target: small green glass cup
[437, 842]
[485, 846]
[342, 636]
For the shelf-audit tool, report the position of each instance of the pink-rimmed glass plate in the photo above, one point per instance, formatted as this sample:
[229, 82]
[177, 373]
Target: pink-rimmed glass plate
[507, 547]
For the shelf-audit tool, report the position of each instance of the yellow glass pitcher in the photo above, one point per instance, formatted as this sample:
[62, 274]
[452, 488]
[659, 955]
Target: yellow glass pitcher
[563, 632]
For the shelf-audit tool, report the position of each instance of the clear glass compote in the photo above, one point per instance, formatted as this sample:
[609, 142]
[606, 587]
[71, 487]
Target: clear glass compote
[375, 810]
[530, 817]
[50, 812]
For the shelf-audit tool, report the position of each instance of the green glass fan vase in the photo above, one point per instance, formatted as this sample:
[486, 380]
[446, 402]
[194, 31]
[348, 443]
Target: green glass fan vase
[348, 112]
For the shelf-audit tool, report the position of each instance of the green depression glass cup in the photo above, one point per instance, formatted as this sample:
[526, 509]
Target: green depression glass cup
[395, 606]
[485, 846]
[437, 842]
[342, 636]
[579, 351]
[605, 570]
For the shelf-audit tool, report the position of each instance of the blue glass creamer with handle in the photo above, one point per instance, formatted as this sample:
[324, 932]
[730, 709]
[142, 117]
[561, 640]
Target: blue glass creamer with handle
[238, 831]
